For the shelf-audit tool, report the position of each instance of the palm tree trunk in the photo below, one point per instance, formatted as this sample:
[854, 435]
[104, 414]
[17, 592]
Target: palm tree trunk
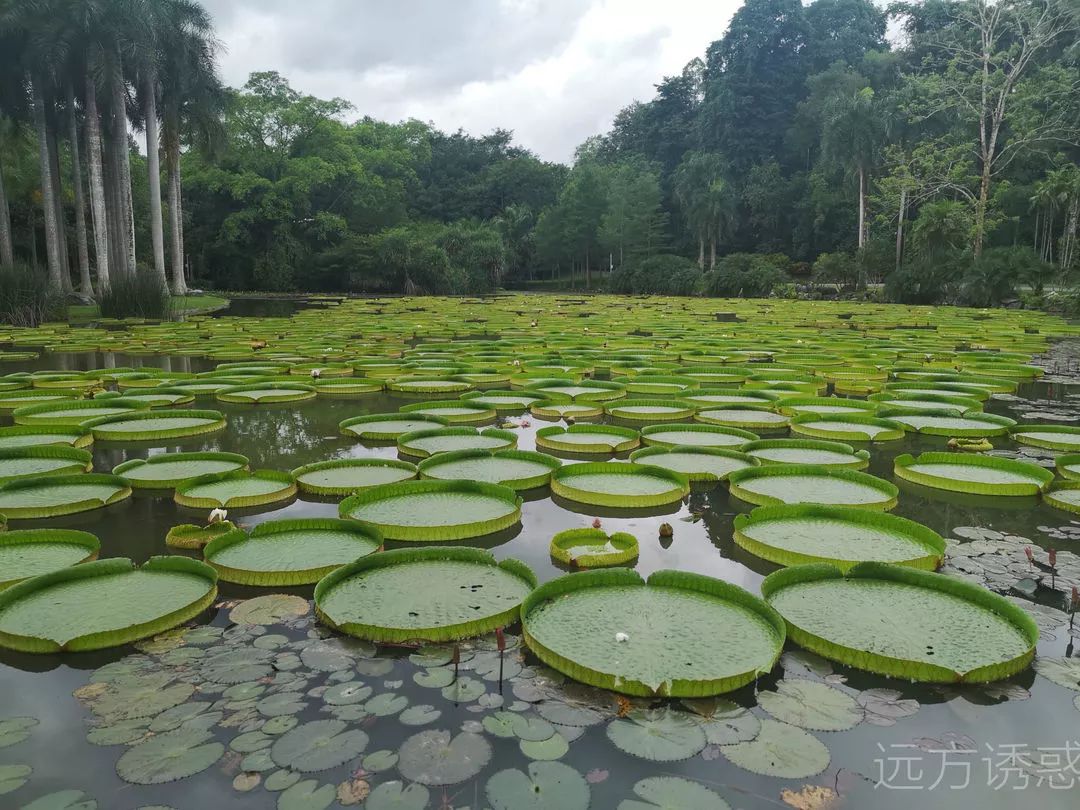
[862, 207]
[32, 222]
[712, 252]
[52, 250]
[117, 261]
[58, 202]
[176, 218]
[97, 183]
[123, 168]
[701, 253]
[85, 287]
[153, 170]
[900, 228]
[7, 250]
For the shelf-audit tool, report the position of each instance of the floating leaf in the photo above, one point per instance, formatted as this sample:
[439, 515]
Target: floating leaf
[283, 703]
[279, 725]
[281, 780]
[386, 704]
[660, 735]
[437, 758]
[62, 800]
[811, 797]
[464, 690]
[673, 793]
[318, 746]
[884, 707]
[307, 795]
[396, 796]
[236, 666]
[143, 697]
[555, 747]
[168, 757]
[121, 733]
[354, 791]
[13, 777]
[435, 678]
[1062, 671]
[546, 786]
[15, 729]
[244, 782]
[780, 750]
[273, 608]
[419, 715]
[378, 761]
[345, 694]
[336, 654]
[811, 705]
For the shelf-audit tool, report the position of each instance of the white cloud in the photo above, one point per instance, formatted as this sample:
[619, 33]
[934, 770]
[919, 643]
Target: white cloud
[553, 71]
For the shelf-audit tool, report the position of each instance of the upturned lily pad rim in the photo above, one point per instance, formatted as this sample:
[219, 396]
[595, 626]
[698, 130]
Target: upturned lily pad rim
[565, 586]
[436, 633]
[290, 392]
[680, 485]
[478, 413]
[79, 461]
[122, 491]
[287, 490]
[931, 541]
[1063, 462]
[34, 415]
[902, 468]
[420, 384]
[587, 410]
[113, 638]
[899, 667]
[643, 455]
[511, 400]
[1051, 496]
[436, 534]
[860, 459]
[345, 387]
[298, 576]
[532, 482]
[345, 463]
[215, 421]
[84, 436]
[548, 438]
[703, 415]
[650, 430]
[169, 458]
[803, 424]
[957, 404]
[790, 405]
[626, 548]
[345, 424]
[30, 537]
[1047, 444]
[405, 442]
[737, 478]
[992, 423]
[601, 390]
[683, 410]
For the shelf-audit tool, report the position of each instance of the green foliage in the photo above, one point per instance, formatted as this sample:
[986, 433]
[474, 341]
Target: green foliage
[840, 269]
[25, 297]
[141, 296]
[665, 274]
[993, 277]
[747, 275]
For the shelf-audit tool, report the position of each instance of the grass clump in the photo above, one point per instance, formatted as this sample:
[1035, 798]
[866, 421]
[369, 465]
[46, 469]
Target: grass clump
[26, 299]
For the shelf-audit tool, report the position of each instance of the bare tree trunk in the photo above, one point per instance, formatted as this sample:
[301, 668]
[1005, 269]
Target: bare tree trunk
[701, 253]
[900, 229]
[123, 168]
[52, 250]
[980, 210]
[58, 202]
[85, 287]
[32, 220]
[117, 259]
[862, 207]
[176, 211]
[712, 253]
[153, 171]
[588, 275]
[7, 250]
[92, 126]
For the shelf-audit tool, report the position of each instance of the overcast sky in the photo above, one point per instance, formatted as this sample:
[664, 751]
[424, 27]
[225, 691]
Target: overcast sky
[553, 71]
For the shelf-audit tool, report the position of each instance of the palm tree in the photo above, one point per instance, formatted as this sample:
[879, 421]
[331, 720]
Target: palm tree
[851, 138]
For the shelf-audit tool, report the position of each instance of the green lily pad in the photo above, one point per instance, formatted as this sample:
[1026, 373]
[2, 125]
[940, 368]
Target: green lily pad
[270, 609]
[517, 469]
[15, 729]
[235, 489]
[695, 436]
[425, 443]
[307, 795]
[975, 474]
[811, 705]
[318, 746]
[156, 425]
[438, 758]
[659, 736]
[13, 777]
[344, 476]
[166, 470]
[20, 463]
[809, 483]
[696, 463]
[395, 795]
[388, 426]
[546, 786]
[673, 793]
[62, 800]
[1062, 671]
[55, 495]
[619, 485]
[32, 552]
[780, 750]
[168, 757]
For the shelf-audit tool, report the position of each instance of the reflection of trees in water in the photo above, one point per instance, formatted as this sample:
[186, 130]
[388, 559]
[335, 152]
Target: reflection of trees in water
[283, 438]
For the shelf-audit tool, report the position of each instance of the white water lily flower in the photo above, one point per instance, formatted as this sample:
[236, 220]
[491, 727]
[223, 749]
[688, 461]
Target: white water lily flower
[621, 637]
[217, 516]
[315, 373]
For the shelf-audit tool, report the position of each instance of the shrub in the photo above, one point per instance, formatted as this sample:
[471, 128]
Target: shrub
[840, 269]
[143, 296]
[993, 277]
[747, 275]
[665, 274]
[26, 299]
[927, 280]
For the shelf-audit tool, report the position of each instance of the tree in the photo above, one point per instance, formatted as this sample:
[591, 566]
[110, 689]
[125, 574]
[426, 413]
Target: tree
[851, 138]
[634, 224]
[707, 199]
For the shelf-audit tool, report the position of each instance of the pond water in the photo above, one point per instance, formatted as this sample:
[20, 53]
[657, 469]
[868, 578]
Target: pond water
[951, 747]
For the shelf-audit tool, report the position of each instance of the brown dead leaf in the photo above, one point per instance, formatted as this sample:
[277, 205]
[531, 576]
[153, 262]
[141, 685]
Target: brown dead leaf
[624, 706]
[90, 692]
[811, 797]
[246, 781]
[354, 791]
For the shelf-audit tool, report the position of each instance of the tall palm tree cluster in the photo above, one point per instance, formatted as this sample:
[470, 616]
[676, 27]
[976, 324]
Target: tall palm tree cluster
[84, 75]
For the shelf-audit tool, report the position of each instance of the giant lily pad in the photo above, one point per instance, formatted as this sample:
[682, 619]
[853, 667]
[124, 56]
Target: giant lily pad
[593, 548]
[651, 410]
[156, 425]
[847, 428]
[901, 622]
[236, 489]
[517, 469]
[388, 426]
[466, 593]
[825, 405]
[44, 435]
[27, 462]
[600, 439]
[166, 470]
[686, 635]
[424, 443]
[554, 409]
[461, 412]
[811, 483]
[434, 511]
[266, 392]
[1068, 466]
[345, 475]
[32, 552]
[1062, 495]
[696, 436]
[290, 552]
[758, 418]
[796, 534]
[975, 474]
[75, 414]
[696, 463]
[1052, 437]
[969, 424]
[54, 495]
[807, 451]
[623, 485]
[103, 604]
[505, 401]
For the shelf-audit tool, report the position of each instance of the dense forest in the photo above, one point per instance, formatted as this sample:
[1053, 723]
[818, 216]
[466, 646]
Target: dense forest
[803, 149]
